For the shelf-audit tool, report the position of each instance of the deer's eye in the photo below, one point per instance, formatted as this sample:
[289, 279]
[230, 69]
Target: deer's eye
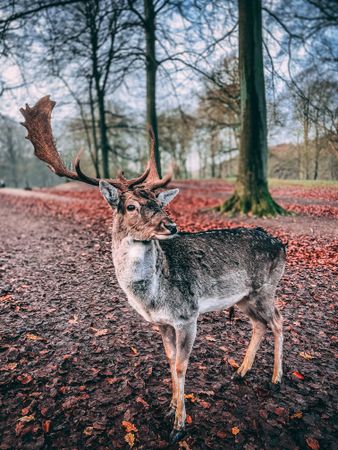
[131, 207]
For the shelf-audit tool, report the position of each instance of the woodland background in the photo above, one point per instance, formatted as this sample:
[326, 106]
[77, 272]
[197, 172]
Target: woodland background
[78, 368]
[95, 59]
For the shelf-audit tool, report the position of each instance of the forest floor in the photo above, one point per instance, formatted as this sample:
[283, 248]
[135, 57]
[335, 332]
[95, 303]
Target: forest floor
[80, 369]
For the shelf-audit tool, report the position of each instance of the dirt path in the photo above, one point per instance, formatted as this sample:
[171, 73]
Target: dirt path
[76, 360]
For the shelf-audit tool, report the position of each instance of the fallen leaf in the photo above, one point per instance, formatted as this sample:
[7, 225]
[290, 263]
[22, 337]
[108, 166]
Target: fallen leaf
[143, 402]
[88, 431]
[102, 332]
[189, 419]
[233, 363]
[26, 410]
[298, 375]
[74, 320]
[134, 351]
[46, 425]
[113, 380]
[221, 434]
[235, 430]
[184, 445]
[27, 419]
[24, 378]
[9, 366]
[5, 298]
[128, 426]
[130, 439]
[297, 415]
[312, 443]
[210, 338]
[204, 404]
[190, 397]
[33, 337]
[306, 355]
[19, 427]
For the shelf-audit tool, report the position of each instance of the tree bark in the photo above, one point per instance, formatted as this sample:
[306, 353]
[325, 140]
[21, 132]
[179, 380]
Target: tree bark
[100, 95]
[151, 70]
[251, 193]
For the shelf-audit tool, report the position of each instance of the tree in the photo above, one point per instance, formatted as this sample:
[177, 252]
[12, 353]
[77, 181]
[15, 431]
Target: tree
[89, 47]
[251, 194]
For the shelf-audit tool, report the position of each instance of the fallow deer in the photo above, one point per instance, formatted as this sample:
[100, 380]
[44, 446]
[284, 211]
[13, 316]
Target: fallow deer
[172, 277]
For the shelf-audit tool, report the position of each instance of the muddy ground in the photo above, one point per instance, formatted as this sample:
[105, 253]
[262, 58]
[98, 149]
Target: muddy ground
[77, 364]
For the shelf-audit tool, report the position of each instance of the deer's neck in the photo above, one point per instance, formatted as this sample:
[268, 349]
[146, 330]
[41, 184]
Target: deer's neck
[138, 267]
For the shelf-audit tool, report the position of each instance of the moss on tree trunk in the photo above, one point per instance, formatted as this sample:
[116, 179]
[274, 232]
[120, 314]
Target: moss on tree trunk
[252, 194]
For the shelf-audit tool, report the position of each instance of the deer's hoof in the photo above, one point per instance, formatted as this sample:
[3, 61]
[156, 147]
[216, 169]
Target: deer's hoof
[177, 435]
[237, 377]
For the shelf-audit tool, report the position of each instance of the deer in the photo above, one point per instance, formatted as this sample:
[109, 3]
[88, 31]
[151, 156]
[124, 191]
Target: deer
[171, 277]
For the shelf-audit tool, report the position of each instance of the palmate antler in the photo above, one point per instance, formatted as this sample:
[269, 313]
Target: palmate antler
[38, 124]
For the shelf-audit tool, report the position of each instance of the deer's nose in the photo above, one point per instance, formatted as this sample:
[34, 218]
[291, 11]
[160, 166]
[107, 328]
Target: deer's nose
[171, 227]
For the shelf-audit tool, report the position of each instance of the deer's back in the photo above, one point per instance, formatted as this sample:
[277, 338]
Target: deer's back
[228, 260]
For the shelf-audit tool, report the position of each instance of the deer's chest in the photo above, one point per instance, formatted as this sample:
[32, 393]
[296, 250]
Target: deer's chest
[135, 267]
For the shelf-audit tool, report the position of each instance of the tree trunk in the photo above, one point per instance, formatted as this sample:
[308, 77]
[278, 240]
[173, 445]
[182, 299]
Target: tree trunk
[93, 121]
[100, 95]
[317, 152]
[151, 69]
[103, 134]
[251, 193]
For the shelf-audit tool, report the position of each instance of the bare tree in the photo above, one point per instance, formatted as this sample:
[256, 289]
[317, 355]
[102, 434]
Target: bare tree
[252, 194]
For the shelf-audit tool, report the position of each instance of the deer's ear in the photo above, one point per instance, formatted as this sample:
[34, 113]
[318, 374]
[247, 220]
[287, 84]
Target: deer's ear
[110, 193]
[167, 196]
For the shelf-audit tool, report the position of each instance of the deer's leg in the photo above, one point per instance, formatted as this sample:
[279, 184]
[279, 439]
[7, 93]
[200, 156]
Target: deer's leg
[169, 342]
[258, 332]
[277, 328]
[249, 307]
[185, 338]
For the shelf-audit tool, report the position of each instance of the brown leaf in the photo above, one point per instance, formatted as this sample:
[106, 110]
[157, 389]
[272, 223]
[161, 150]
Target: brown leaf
[221, 434]
[210, 338]
[312, 443]
[306, 355]
[233, 363]
[204, 404]
[27, 419]
[19, 427]
[184, 445]
[189, 419]
[24, 378]
[74, 320]
[128, 426]
[130, 439]
[298, 375]
[297, 415]
[46, 425]
[279, 410]
[235, 430]
[5, 298]
[190, 397]
[113, 380]
[9, 366]
[102, 332]
[143, 402]
[33, 337]
[88, 431]
[134, 351]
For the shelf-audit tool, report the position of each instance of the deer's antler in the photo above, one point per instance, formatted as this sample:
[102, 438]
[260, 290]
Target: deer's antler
[38, 124]
[153, 181]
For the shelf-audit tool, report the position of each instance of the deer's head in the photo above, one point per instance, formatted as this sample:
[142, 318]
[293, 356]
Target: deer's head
[139, 212]
[137, 203]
